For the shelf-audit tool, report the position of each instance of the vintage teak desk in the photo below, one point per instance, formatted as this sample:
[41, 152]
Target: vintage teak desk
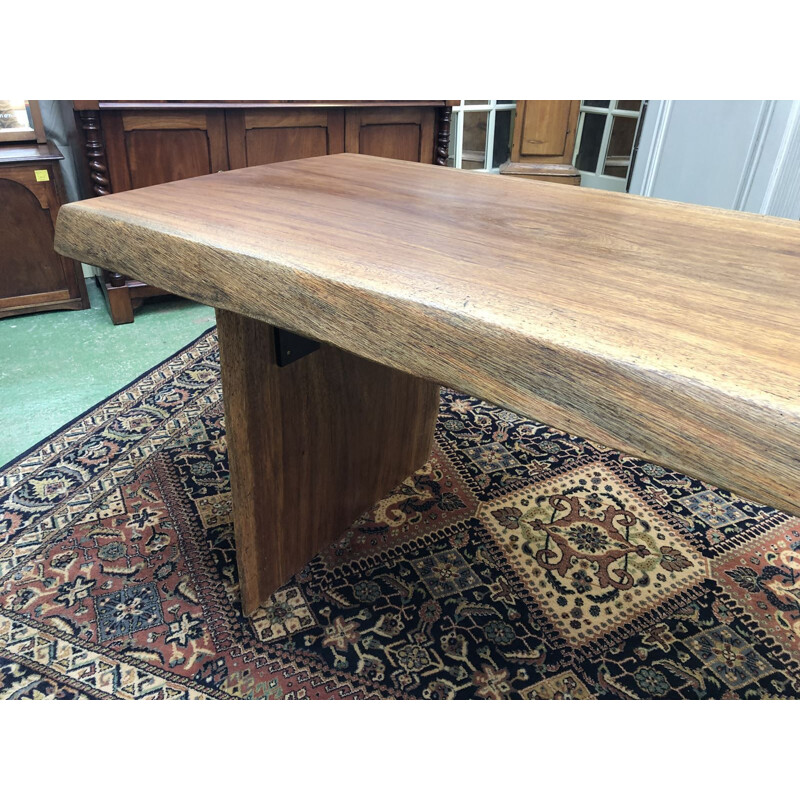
[667, 331]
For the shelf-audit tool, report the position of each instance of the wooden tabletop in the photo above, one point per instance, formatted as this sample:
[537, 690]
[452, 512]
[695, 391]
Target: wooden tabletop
[665, 330]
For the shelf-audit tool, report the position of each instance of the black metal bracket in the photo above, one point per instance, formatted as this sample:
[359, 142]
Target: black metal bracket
[290, 346]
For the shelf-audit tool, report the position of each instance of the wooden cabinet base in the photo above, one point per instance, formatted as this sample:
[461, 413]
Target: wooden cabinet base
[312, 445]
[12, 306]
[555, 173]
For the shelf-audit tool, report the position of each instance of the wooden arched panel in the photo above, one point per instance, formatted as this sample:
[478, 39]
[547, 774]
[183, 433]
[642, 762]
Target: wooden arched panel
[28, 263]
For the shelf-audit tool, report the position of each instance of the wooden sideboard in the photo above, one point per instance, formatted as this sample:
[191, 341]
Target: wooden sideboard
[544, 138]
[33, 277]
[133, 144]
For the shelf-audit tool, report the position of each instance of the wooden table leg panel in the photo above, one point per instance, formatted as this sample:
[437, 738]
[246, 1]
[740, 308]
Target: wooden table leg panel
[312, 445]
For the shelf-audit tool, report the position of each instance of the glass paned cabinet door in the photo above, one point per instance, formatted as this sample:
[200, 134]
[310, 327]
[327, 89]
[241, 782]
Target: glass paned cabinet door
[605, 142]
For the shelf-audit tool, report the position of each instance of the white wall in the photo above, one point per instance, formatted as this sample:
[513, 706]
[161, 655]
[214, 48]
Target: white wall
[738, 154]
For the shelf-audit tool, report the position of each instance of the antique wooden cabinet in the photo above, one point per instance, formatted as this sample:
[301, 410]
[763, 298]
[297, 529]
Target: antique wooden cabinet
[543, 142]
[139, 143]
[33, 277]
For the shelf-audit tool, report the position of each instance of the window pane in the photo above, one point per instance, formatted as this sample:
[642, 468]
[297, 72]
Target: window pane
[14, 114]
[591, 138]
[620, 146]
[473, 152]
[629, 105]
[597, 103]
[503, 125]
[504, 102]
[476, 102]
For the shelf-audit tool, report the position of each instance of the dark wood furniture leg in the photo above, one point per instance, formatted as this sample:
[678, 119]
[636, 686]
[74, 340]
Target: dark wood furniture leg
[312, 445]
[118, 297]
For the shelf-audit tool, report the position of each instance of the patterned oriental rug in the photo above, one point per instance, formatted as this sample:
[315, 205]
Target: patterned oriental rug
[520, 562]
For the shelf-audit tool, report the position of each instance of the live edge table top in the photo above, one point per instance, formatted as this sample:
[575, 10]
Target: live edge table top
[668, 331]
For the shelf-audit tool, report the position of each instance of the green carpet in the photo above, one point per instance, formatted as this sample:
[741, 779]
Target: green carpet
[56, 364]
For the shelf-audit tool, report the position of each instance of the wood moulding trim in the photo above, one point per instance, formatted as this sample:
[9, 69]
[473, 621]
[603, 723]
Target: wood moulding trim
[149, 104]
[22, 301]
[654, 155]
[531, 169]
[753, 157]
[70, 304]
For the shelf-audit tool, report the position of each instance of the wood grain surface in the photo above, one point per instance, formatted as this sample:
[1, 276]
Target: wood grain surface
[312, 445]
[665, 330]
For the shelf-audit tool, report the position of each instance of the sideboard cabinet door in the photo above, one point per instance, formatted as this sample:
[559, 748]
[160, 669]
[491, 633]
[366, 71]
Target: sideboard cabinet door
[403, 133]
[146, 148]
[267, 135]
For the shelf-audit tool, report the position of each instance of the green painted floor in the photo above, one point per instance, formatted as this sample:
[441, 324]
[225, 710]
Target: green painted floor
[54, 365]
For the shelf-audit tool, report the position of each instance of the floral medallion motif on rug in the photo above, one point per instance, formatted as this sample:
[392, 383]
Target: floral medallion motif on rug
[518, 562]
